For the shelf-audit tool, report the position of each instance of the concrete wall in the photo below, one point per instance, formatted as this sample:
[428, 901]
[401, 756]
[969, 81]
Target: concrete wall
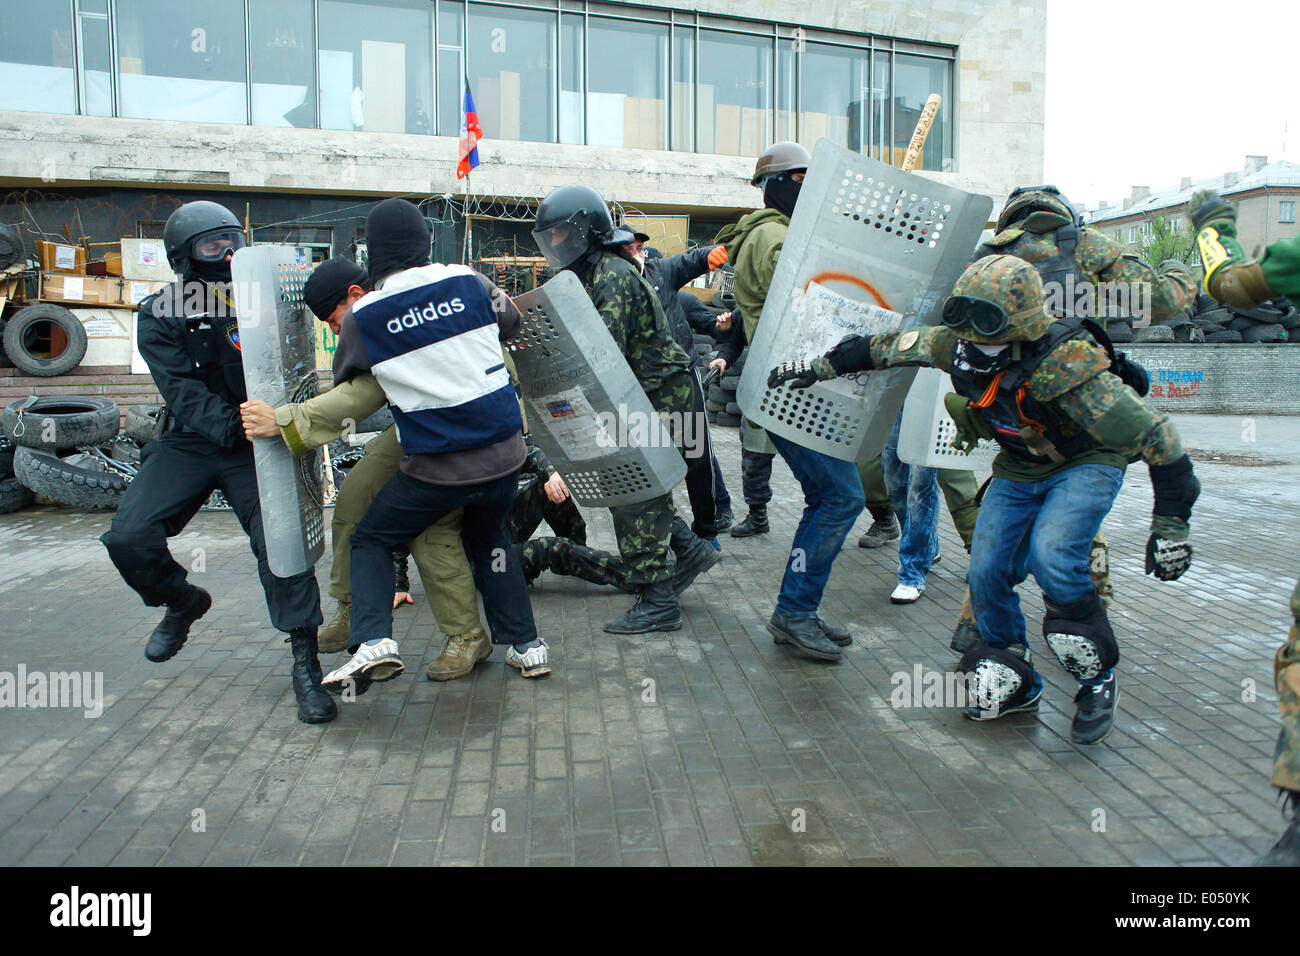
[1222, 379]
[999, 130]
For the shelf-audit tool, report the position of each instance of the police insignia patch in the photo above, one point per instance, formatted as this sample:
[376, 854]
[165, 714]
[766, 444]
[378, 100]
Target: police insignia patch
[232, 334]
[908, 339]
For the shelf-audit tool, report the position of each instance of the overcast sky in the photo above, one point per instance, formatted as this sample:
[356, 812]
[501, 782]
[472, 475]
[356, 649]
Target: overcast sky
[1145, 92]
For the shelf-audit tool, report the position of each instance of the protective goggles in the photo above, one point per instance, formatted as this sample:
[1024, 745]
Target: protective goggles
[984, 317]
[565, 241]
[215, 246]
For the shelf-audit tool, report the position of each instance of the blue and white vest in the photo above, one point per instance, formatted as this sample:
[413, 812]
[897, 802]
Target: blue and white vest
[434, 346]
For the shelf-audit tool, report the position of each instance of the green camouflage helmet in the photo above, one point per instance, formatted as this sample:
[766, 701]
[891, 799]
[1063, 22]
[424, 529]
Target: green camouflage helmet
[1014, 286]
[1021, 204]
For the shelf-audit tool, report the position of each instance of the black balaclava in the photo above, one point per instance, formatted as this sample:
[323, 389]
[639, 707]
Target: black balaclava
[211, 271]
[782, 192]
[397, 237]
[328, 285]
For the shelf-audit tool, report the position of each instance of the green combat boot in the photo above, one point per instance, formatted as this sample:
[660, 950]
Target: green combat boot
[459, 655]
[336, 635]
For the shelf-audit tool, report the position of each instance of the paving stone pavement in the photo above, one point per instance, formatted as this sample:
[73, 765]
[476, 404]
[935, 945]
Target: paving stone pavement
[709, 745]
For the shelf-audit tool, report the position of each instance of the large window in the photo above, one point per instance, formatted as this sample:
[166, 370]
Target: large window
[735, 88]
[512, 72]
[627, 84]
[683, 111]
[36, 59]
[573, 68]
[182, 60]
[916, 77]
[96, 58]
[374, 65]
[451, 67]
[284, 79]
[835, 95]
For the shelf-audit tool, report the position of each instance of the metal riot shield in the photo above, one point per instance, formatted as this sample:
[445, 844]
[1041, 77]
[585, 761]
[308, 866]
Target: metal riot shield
[871, 249]
[586, 410]
[925, 437]
[279, 353]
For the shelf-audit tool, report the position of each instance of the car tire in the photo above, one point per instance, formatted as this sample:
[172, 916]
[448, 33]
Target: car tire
[141, 423]
[77, 420]
[14, 496]
[6, 458]
[728, 421]
[21, 327]
[733, 409]
[1225, 337]
[70, 478]
[730, 382]
[1119, 332]
[1262, 332]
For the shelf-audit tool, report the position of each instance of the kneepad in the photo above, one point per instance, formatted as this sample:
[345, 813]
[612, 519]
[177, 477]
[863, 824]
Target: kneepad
[1080, 636]
[996, 678]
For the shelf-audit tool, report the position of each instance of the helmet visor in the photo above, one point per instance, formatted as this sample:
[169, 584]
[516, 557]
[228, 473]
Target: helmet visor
[565, 241]
[215, 246]
[984, 317]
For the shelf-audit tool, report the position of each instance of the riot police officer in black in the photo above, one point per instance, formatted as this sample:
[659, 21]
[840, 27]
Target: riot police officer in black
[189, 336]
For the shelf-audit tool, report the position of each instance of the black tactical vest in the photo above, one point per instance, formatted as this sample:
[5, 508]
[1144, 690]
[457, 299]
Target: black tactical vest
[211, 340]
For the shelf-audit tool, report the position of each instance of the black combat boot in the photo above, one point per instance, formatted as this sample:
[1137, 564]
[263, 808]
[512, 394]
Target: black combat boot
[839, 635]
[315, 706]
[655, 609]
[174, 629]
[1286, 851]
[965, 638]
[806, 634]
[694, 556]
[755, 523]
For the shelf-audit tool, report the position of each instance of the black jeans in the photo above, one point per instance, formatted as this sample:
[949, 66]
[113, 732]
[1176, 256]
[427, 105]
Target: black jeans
[405, 503]
[700, 488]
[177, 474]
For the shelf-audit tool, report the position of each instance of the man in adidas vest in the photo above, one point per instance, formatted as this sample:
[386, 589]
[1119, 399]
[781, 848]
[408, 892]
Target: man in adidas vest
[1237, 280]
[430, 336]
[1068, 428]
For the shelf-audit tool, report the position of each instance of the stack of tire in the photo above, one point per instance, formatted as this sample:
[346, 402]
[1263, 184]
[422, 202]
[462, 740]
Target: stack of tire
[1274, 322]
[51, 446]
[720, 402]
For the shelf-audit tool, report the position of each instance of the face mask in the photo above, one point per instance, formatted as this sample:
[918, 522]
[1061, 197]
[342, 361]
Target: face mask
[990, 349]
[211, 271]
[781, 193]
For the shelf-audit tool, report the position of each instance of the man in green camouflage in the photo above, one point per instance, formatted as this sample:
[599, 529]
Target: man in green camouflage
[1068, 427]
[1237, 280]
[575, 231]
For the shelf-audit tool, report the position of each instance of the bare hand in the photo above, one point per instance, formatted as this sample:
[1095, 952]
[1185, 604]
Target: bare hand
[720, 364]
[400, 598]
[556, 489]
[724, 322]
[259, 420]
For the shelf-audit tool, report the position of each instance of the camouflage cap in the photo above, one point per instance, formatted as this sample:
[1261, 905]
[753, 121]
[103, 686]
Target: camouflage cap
[1020, 204]
[1014, 286]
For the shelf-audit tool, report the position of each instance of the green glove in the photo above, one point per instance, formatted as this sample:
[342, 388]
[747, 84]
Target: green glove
[971, 425]
[1206, 207]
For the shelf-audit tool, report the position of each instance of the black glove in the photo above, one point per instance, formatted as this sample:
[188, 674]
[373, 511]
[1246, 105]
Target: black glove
[1207, 206]
[1176, 489]
[795, 374]
[1166, 559]
[852, 354]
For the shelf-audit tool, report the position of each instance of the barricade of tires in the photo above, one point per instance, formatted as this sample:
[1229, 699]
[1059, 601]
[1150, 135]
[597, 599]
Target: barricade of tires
[720, 402]
[1274, 322]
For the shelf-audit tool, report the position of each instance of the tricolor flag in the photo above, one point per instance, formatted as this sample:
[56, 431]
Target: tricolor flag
[470, 134]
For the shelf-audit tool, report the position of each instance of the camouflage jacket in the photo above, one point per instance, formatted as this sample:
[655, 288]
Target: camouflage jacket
[633, 315]
[1157, 296]
[1074, 384]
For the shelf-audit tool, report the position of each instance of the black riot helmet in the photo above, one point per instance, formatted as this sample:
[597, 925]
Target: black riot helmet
[573, 220]
[198, 237]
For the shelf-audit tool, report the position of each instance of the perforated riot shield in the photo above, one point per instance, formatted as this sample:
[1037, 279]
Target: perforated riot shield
[870, 249]
[586, 410]
[925, 437]
[279, 353]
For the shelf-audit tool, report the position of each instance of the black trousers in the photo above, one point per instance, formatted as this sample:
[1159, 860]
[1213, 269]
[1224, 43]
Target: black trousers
[698, 452]
[177, 474]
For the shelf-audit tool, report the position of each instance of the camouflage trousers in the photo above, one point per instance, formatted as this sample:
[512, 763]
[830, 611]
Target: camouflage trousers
[959, 491]
[532, 506]
[1286, 677]
[756, 477]
[1098, 571]
[438, 551]
[645, 532]
[562, 556]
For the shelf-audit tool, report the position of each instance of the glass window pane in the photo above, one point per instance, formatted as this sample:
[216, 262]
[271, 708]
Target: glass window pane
[916, 77]
[572, 66]
[451, 67]
[96, 64]
[374, 65]
[878, 114]
[734, 89]
[834, 104]
[683, 87]
[36, 59]
[628, 84]
[512, 72]
[182, 60]
[282, 44]
[785, 90]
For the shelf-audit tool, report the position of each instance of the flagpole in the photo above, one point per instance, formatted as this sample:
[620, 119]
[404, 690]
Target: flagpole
[469, 222]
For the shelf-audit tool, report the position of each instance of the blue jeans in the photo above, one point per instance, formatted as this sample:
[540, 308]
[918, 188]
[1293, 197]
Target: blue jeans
[833, 499]
[1044, 528]
[405, 503]
[914, 495]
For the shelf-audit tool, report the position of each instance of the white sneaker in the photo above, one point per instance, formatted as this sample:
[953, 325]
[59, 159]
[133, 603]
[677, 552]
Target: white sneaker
[906, 594]
[535, 662]
[370, 664]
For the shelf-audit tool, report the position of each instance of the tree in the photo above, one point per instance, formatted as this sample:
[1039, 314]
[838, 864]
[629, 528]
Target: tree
[1164, 243]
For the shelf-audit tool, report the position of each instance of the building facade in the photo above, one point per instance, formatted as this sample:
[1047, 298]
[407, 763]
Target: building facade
[299, 113]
